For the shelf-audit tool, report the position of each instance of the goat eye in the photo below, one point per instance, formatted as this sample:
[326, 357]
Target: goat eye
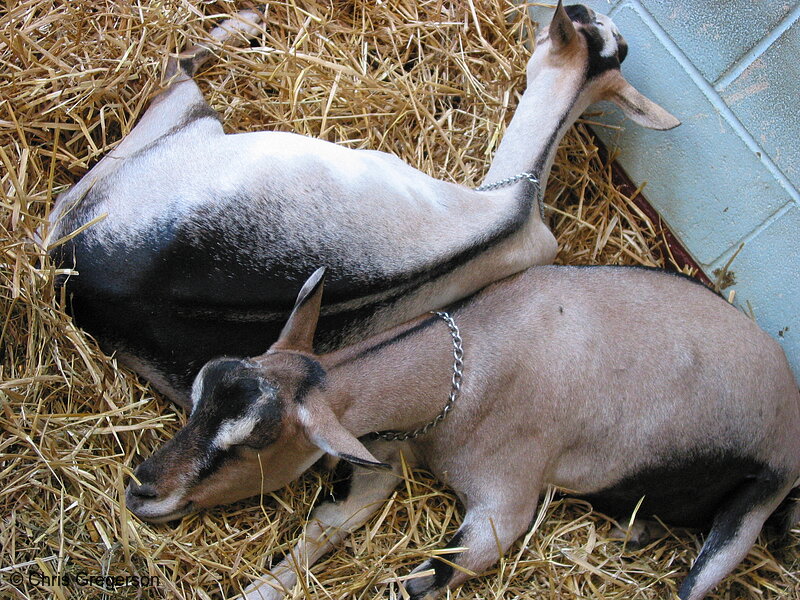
[244, 446]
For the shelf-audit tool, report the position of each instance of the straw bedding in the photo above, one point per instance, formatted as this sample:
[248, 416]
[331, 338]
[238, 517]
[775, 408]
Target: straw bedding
[431, 81]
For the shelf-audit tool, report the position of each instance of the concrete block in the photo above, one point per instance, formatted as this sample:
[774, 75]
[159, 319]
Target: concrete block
[765, 97]
[767, 279]
[715, 33]
[708, 185]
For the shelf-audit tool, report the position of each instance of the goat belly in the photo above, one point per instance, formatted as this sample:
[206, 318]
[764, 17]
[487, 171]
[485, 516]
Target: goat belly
[684, 490]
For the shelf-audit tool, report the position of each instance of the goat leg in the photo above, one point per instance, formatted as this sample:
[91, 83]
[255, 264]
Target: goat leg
[330, 523]
[488, 530]
[733, 532]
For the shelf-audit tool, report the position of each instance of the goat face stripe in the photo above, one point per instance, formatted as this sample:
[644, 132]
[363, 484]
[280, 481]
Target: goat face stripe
[232, 432]
[607, 48]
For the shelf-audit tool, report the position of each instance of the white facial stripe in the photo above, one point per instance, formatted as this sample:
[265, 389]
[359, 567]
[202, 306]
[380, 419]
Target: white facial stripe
[233, 431]
[607, 33]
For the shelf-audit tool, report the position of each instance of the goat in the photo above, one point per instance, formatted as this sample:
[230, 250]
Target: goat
[619, 383]
[206, 235]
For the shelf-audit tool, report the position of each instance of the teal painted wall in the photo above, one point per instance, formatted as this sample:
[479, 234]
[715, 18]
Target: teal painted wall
[730, 174]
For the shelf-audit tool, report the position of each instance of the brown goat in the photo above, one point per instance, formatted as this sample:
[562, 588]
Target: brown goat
[617, 383]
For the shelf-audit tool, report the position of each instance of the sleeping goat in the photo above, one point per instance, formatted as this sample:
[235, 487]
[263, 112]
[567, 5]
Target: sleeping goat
[618, 383]
[204, 237]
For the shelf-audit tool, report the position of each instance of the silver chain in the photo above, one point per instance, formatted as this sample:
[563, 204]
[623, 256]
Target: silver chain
[458, 350]
[514, 179]
[455, 388]
[508, 181]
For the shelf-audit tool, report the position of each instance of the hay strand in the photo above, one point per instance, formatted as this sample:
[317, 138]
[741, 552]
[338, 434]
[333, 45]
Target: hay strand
[434, 82]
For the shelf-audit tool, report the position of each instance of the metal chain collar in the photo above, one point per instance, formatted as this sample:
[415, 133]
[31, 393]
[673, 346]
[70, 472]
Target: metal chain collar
[458, 350]
[514, 179]
[455, 389]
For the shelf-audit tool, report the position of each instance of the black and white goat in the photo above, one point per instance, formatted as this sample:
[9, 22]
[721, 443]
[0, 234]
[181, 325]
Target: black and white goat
[206, 235]
[620, 384]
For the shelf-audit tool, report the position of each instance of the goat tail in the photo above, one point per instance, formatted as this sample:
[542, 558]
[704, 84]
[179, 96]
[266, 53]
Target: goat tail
[238, 30]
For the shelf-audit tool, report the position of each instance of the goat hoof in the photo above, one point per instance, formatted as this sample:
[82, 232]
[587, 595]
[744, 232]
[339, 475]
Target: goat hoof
[640, 534]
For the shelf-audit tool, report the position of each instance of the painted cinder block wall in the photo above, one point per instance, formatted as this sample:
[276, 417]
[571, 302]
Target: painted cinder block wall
[730, 174]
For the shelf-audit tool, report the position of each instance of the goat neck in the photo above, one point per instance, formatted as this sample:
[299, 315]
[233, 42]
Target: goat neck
[414, 386]
[550, 105]
[576, 63]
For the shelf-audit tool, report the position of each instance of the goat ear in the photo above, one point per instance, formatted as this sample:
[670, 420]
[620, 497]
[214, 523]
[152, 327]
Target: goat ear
[328, 434]
[562, 30]
[636, 106]
[298, 333]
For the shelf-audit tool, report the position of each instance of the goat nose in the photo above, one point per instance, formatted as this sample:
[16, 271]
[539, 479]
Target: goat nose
[142, 491]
